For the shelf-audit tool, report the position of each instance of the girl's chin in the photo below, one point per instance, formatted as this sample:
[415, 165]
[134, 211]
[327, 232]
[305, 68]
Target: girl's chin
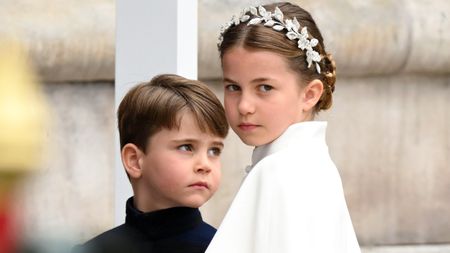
[251, 142]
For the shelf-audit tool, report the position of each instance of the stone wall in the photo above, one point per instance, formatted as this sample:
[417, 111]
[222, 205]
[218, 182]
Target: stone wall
[71, 44]
[71, 196]
[388, 129]
[67, 40]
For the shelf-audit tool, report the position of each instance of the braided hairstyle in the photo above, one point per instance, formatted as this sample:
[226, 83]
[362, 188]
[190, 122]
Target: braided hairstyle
[266, 38]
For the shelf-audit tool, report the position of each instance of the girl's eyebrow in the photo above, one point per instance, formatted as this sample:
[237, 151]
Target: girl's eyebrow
[228, 80]
[260, 80]
[256, 80]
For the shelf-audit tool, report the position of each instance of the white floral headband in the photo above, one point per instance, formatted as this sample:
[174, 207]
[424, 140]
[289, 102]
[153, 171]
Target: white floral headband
[277, 22]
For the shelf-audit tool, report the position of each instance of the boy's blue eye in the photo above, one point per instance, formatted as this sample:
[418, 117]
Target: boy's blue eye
[265, 88]
[232, 87]
[214, 151]
[185, 147]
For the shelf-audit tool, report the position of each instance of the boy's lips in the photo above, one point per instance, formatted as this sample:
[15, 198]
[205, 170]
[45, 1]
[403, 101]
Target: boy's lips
[200, 185]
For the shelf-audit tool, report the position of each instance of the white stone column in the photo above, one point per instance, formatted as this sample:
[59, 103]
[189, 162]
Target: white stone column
[152, 37]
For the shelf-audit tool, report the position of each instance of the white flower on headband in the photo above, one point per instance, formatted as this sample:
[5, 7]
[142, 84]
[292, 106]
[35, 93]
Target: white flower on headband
[277, 22]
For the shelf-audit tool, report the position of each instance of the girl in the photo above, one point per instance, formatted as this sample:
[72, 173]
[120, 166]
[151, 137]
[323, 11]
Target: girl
[277, 76]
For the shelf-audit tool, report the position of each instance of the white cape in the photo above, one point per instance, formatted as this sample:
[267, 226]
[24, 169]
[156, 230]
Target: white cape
[291, 200]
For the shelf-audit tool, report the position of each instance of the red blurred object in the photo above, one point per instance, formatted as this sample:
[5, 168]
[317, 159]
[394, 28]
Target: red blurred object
[8, 236]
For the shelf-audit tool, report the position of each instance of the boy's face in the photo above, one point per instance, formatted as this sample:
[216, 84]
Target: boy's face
[181, 166]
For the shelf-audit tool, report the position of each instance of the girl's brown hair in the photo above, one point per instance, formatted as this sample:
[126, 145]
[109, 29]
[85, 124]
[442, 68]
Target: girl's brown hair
[151, 106]
[266, 38]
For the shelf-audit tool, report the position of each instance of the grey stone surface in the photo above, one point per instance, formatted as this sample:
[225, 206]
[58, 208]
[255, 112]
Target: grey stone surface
[74, 40]
[71, 196]
[390, 136]
[444, 248]
[67, 40]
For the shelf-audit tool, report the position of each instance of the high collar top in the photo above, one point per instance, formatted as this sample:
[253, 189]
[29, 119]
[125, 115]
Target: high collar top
[303, 132]
[163, 223]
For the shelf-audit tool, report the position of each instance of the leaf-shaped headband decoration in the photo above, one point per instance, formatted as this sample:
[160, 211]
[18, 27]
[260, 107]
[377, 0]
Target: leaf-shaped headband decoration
[277, 22]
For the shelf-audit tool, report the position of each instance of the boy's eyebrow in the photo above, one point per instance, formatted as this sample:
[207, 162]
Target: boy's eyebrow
[185, 140]
[189, 140]
[218, 143]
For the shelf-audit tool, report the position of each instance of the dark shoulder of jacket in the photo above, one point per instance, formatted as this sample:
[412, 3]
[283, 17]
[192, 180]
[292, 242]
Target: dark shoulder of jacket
[203, 233]
[117, 240]
[196, 239]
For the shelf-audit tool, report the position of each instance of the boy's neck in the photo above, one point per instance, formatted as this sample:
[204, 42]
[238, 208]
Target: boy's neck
[145, 204]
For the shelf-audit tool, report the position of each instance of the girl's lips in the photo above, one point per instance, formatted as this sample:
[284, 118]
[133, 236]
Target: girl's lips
[199, 185]
[247, 127]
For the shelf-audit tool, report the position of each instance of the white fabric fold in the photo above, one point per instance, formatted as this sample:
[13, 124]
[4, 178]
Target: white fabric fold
[291, 200]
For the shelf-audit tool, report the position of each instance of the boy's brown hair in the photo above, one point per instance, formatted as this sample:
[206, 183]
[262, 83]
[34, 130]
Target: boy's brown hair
[151, 106]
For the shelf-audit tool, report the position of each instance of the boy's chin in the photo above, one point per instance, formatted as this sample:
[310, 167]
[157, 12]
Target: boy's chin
[193, 205]
[196, 203]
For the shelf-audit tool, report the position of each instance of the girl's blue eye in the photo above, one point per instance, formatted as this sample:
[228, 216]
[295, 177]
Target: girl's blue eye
[185, 147]
[214, 151]
[232, 87]
[265, 88]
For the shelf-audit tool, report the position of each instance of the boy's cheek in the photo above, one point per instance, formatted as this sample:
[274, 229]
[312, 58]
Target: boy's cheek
[216, 183]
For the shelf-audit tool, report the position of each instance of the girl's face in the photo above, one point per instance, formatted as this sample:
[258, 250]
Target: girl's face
[263, 96]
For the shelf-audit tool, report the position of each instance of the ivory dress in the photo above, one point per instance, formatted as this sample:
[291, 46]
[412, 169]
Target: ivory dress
[290, 201]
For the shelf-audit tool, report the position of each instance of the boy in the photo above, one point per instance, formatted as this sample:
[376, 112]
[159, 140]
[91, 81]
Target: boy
[171, 136]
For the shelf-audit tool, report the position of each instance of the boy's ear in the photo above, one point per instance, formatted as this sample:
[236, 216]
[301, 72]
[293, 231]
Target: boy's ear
[131, 156]
[312, 93]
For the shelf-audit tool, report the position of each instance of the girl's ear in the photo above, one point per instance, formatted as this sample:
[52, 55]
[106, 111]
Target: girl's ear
[311, 94]
[131, 159]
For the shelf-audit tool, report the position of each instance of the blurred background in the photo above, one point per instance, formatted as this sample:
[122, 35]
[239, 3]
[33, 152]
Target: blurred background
[389, 127]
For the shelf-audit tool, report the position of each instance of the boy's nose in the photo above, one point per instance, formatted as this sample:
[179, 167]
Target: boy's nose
[202, 165]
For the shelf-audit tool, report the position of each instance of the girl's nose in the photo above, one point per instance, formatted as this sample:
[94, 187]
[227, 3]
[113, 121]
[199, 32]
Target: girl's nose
[246, 105]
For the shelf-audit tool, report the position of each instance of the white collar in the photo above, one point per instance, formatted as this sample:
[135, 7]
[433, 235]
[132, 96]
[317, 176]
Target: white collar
[304, 131]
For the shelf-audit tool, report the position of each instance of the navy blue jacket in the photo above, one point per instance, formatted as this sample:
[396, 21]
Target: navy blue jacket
[172, 230]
